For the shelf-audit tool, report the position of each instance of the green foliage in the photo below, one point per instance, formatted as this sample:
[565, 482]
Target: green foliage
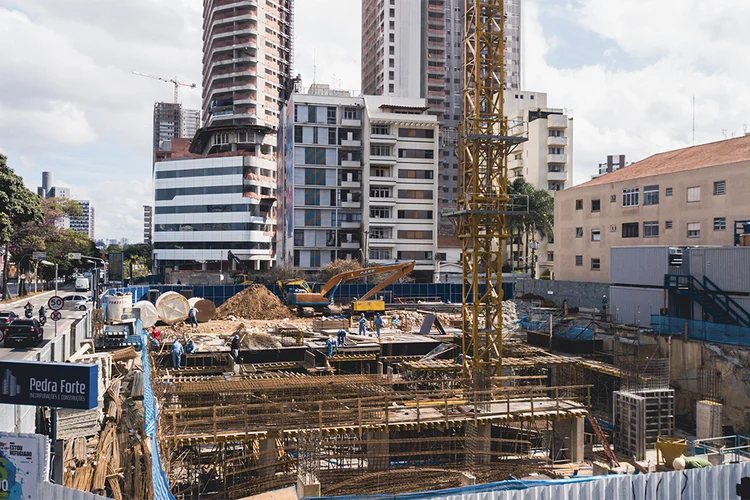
[283, 273]
[538, 207]
[339, 266]
[139, 256]
[113, 248]
[18, 204]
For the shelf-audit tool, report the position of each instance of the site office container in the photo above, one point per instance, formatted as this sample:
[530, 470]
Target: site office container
[727, 267]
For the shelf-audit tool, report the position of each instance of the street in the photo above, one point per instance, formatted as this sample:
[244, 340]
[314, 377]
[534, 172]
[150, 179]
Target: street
[17, 307]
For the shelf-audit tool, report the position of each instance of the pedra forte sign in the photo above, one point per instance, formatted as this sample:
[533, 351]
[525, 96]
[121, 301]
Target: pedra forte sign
[57, 385]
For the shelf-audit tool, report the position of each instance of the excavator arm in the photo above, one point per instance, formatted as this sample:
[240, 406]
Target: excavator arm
[398, 270]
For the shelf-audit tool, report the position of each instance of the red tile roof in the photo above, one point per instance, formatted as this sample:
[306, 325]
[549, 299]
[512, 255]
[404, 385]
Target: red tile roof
[711, 154]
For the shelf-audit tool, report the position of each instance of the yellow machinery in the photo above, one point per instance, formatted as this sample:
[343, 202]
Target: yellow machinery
[299, 293]
[241, 279]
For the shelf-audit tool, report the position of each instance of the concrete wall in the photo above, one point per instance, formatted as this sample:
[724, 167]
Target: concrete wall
[686, 360]
[579, 294]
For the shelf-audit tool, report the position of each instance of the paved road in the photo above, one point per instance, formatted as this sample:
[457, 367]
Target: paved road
[49, 329]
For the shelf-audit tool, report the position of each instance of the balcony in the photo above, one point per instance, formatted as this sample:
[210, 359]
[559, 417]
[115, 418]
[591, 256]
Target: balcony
[557, 121]
[349, 244]
[351, 163]
[385, 181]
[350, 224]
[389, 201]
[557, 141]
[555, 158]
[389, 139]
[515, 164]
[350, 204]
[348, 122]
[383, 242]
[353, 143]
[351, 184]
[383, 160]
[557, 176]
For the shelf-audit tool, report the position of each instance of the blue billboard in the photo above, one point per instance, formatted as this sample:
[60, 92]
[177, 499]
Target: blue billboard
[57, 385]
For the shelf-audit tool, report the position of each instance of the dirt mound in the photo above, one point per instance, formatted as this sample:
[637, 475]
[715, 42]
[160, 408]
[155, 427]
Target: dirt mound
[254, 302]
[532, 297]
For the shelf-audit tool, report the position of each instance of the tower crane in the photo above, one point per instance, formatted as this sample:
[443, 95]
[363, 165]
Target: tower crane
[177, 84]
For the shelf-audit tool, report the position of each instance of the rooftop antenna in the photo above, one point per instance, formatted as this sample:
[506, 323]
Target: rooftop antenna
[693, 119]
[315, 67]
[724, 132]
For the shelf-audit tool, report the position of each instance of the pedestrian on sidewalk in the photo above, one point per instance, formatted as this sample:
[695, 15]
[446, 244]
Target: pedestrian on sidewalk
[362, 325]
[177, 351]
[193, 317]
[378, 324]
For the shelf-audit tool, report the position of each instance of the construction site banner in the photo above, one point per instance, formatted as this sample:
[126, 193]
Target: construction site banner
[23, 465]
[56, 385]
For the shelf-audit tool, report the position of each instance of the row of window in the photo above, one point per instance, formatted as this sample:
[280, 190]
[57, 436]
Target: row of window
[317, 176]
[210, 226]
[212, 245]
[169, 194]
[631, 197]
[202, 209]
[197, 172]
[417, 133]
[651, 229]
[385, 150]
[385, 213]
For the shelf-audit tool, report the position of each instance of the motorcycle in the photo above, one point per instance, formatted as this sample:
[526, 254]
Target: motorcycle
[42, 318]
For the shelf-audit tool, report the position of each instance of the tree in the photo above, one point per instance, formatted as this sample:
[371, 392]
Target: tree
[537, 206]
[138, 259]
[18, 205]
[338, 266]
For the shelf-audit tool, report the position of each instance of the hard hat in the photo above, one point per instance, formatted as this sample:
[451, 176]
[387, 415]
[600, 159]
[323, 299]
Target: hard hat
[678, 463]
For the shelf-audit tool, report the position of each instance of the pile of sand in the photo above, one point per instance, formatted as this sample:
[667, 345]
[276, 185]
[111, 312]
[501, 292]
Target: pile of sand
[254, 302]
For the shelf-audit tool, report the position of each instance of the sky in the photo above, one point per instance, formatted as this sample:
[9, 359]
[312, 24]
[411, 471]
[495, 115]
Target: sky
[627, 71]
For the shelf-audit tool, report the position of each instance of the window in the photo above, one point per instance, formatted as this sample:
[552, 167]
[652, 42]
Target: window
[720, 187]
[351, 114]
[414, 194]
[331, 116]
[693, 194]
[299, 238]
[312, 217]
[380, 254]
[596, 205]
[694, 230]
[720, 224]
[380, 213]
[380, 233]
[297, 134]
[419, 133]
[415, 214]
[380, 130]
[596, 235]
[315, 156]
[414, 255]
[392, 38]
[415, 235]
[651, 229]
[595, 264]
[550, 256]
[630, 230]
[380, 171]
[579, 232]
[555, 151]
[416, 153]
[315, 176]
[630, 197]
[613, 198]
[613, 228]
[391, 88]
[651, 195]
[331, 136]
[579, 260]
[579, 204]
[380, 192]
[668, 224]
[380, 150]
[312, 197]
[418, 174]
[668, 192]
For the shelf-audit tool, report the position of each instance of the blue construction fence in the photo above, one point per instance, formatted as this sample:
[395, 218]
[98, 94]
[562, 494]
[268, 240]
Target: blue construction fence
[701, 330]
[218, 294]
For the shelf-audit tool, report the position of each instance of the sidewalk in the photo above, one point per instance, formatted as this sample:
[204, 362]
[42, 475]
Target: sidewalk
[25, 299]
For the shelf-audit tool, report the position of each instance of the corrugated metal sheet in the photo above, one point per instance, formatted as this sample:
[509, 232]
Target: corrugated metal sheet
[634, 306]
[728, 267]
[712, 483]
[645, 266]
[58, 492]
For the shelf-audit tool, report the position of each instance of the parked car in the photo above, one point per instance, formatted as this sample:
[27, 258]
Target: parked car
[24, 332]
[77, 302]
[5, 319]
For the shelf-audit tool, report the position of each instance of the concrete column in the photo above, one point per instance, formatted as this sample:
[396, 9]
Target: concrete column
[708, 419]
[268, 454]
[571, 432]
[307, 490]
[378, 450]
[484, 445]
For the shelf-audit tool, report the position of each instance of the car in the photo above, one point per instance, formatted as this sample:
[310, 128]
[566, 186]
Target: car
[77, 302]
[24, 332]
[5, 318]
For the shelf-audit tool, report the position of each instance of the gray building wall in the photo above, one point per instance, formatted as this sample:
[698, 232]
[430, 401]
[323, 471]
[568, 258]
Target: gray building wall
[578, 293]
[634, 306]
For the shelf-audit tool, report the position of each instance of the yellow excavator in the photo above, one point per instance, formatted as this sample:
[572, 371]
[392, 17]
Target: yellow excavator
[299, 294]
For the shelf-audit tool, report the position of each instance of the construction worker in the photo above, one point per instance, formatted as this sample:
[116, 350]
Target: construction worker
[605, 303]
[362, 325]
[378, 323]
[190, 347]
[396, 322]
[156, 333]
[177, 351]
[341, 336]
[235, 347]
[331, 344]
[193, 317]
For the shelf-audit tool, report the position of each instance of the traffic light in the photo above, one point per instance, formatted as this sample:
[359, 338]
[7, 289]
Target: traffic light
[62, 255]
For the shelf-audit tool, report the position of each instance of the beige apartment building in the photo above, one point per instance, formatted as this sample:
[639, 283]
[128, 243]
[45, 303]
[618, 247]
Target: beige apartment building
[687, 197]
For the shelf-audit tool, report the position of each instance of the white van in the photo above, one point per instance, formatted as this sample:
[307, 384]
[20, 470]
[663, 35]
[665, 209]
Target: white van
[82, 284]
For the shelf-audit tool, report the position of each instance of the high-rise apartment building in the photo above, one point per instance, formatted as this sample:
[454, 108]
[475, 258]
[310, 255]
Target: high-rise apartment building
[218, 193]
[84, 222]
[171, 121]
[148, 212]
[404, 37]
[47, 181]
[357, 182]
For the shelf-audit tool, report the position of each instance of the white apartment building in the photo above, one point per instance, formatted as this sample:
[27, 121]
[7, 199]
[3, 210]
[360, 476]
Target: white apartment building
[359, 182]
[545, 160]
[190, 123]
[84, 222]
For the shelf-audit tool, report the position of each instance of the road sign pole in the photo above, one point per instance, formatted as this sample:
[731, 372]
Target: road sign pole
[55, 295]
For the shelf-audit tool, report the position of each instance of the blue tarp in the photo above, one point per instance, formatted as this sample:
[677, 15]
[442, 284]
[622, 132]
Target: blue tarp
[161, 483]
[701, 330]
[577, 333]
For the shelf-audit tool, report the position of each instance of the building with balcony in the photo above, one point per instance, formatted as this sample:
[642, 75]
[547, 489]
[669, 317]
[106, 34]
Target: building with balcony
[84, 222]
[148, 215]
[693, 196]
[357, 181]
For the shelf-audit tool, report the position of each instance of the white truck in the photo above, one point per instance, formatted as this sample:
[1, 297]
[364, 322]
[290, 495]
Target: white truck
[82, 284]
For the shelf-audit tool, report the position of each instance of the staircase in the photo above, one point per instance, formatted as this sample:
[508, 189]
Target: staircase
[713, 300]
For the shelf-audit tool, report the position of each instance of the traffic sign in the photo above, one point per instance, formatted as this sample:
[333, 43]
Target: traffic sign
[56, 316]
[56, 303]
[74, 256]
[39, 255]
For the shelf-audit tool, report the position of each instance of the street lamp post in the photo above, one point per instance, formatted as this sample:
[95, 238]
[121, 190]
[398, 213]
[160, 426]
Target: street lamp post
[50, 264]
